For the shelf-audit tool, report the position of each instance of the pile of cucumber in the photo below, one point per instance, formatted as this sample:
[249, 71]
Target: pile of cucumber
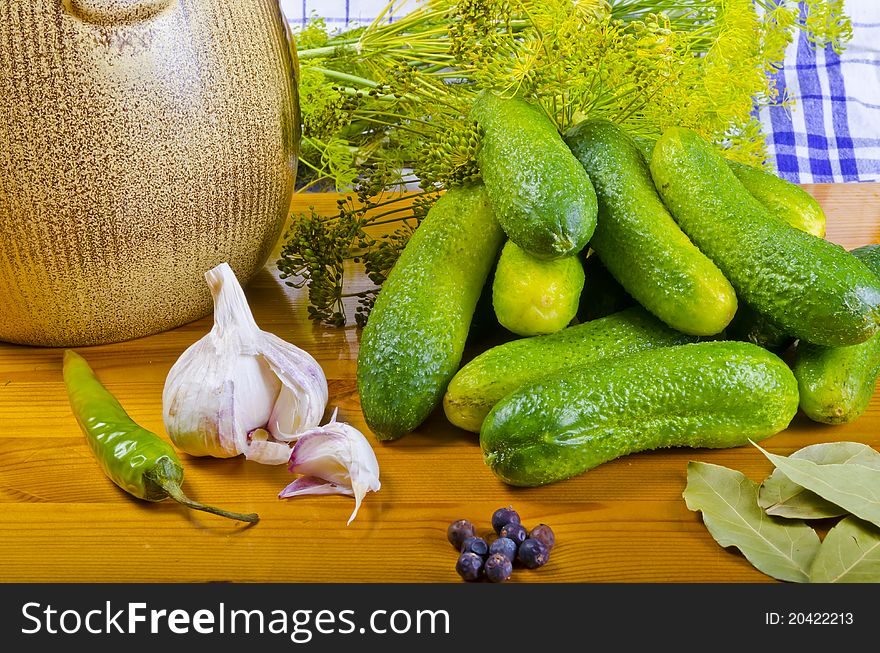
[707, 272]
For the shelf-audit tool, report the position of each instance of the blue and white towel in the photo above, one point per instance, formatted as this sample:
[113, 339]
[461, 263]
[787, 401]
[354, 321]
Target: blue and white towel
[831, 134]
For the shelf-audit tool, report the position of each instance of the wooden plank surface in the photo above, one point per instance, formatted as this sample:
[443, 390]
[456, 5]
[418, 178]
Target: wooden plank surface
[625, 521]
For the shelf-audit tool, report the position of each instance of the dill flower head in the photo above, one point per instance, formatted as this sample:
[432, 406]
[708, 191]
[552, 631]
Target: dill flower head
[391, 99]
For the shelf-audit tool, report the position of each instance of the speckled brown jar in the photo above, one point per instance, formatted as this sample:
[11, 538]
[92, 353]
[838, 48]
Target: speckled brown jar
[142, 142]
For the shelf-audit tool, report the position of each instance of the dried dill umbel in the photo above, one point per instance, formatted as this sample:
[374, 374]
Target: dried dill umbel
[370, 231]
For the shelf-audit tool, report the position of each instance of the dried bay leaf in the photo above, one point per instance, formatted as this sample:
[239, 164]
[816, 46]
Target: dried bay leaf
[855, 488]
[781, 548]
[850, 553]
[782, 497]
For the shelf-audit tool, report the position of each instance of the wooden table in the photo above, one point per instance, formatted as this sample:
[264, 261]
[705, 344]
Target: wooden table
[625, 521]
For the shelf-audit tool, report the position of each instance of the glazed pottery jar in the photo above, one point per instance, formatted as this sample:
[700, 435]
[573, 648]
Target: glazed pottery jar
[142, 142]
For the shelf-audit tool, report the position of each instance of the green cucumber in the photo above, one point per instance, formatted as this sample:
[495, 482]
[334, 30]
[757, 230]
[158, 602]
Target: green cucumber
[870, 256]
[542, 196]
[414, 339]
[533, 296]
[787, 201]
[706, 394]
[836, 383]
[809, 287]
[482, 382]
[640, 243]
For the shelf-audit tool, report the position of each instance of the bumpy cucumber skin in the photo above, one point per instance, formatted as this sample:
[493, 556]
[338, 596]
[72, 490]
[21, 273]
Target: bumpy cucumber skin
[809, 287]
[414, 339]
[533, 296]
[706, 394]
[496, 372]
[542, 196]
[793, 205]
[787, 201]
[836, 383]
[639, 241]
[870, 256]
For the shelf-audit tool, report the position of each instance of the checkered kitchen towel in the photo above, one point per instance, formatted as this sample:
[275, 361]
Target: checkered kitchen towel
[832, 133]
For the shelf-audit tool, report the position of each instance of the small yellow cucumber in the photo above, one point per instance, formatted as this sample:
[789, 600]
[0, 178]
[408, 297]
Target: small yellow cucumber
[532, 296]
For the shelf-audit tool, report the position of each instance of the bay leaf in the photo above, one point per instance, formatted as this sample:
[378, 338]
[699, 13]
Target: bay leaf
[782, 497]
[855, 488]
[850, 553]
[781, 548]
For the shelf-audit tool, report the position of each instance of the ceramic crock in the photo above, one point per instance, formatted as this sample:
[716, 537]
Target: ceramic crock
[142, 142]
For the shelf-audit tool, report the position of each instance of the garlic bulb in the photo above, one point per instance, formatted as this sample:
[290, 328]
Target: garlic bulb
[333, 459]
[241, 390]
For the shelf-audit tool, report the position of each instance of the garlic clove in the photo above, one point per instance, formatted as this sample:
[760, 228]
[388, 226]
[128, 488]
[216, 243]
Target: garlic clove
[340, 456]
[197, 413]
[261, 448]
[255, 391]
[303, 397]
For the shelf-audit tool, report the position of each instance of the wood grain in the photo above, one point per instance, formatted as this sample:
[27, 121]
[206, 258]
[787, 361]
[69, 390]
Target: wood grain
[625, 521]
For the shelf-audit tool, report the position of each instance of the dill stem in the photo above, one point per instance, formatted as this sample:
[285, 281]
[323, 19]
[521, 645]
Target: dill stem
[402, 197]
[313, 182]
[381, 222]
[354, 92]
[407, 196]
[373, 219]
[389, 114]
[358, 294]
[395, 125]
[313, 53]
[355, 79]
[345, 77]
[318, 170]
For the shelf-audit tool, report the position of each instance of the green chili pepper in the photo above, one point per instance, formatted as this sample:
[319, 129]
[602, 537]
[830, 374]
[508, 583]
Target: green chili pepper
[137, 460]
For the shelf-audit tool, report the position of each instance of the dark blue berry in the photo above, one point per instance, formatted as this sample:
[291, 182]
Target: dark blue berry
[504, 516]
[515, 531]
[458, 532]
[543, 533]
[505, 546]
[533, 554]
[475, 545]
[498, 568]
[469, 566]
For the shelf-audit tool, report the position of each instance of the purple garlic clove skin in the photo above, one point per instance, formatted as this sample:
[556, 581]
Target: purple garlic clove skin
[333, 459]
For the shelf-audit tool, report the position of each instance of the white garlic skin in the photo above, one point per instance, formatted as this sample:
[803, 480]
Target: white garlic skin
[237, 379]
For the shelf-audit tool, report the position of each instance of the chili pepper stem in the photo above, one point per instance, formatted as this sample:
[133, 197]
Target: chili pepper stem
[175, 492]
